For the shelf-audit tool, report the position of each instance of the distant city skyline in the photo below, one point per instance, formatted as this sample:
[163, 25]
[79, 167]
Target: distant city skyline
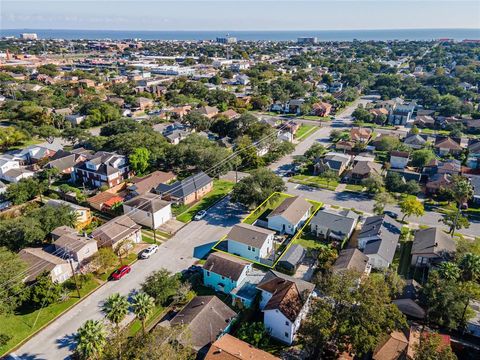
[239, 14]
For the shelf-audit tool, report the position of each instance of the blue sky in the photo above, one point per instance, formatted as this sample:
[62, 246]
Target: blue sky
[238, 14]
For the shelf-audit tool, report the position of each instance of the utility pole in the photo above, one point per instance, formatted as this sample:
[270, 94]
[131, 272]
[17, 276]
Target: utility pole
[70, 260]
[153, 224]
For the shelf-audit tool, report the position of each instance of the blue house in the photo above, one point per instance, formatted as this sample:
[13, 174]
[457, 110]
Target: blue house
[250, 242]
[224, 272]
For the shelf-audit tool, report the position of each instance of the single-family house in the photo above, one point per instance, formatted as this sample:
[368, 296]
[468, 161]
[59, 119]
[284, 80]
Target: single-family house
[364, 169]
[148, 210]
[379, 239]
[228, 347]
[15, 175]
[103, 168]
[321, 109]
[415, 141]
[438, 182]
[68, 243]
[230, 114]
[401, 114]
[407, 300]
[447, 146]
[333, 225]
[392, 346]
[473, 160]
[284, 303]
[206, 318]
[432, 246]
[143, 103]
[290, 215]
[34, 154]
[399, 159]
[208, 111]
[141, 185]
[75, 119]
[188, 190]
[250, 242]
[117, 231]
[359, 134]
[424, 121]
[352, 260]
[224, 272]
[344, 145]
[39, 261]
[473, 324]
[65, 161]
[84, 215]
[336, 162]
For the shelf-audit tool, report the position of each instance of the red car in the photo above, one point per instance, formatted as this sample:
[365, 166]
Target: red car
[121, 272]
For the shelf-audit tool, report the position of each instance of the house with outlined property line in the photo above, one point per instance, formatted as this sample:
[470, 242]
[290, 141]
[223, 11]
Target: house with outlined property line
[250, 242]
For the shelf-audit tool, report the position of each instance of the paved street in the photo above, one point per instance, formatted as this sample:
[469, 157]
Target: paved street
[180, 252]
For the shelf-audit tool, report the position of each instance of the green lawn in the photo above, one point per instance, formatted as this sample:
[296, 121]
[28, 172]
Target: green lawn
[308, 241]
[404, 258]
[130, 259]
[136, 325]
[20, 325]
[315, 118]
[353, 187]
[315, 181]
[304, 130]
[434, 132]
[271, 204]
[220, 189]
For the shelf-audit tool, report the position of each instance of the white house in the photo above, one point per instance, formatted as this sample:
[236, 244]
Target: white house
[10, 169]
[8, 163]
[399, 159]
[250, 242]
[75, 119]
[290, 215]
[284, 302]
[148, 210]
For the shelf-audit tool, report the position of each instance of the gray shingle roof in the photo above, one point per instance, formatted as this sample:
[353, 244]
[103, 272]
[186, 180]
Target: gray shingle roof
[351, 259]
[292, 209]
[249, 234]
[225, 265]
[339, 223]
[183, 188]
[432, 240]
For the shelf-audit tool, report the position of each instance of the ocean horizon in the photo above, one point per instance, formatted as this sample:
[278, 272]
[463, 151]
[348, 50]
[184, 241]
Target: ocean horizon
[254, 35]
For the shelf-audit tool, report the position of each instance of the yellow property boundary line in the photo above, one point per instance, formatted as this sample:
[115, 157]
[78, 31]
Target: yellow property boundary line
[295, 237]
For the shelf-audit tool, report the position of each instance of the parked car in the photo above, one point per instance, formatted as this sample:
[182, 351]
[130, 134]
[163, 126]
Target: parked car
[121, 272]
[200, 215]
[391, 214]
[149, 251]
[191, 270]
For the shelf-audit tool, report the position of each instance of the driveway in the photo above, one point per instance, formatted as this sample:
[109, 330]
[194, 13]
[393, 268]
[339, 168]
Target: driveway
[180, 252]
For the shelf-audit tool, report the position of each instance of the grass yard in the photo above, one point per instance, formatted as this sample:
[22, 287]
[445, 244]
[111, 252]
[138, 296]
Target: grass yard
[434, 132]
[308, 241]
[130, 259]
[353, 187]
[314, 181]
[136, 325]
[269, 205]
[404, 258]
[315, 118]
[220, 189]
[304, 130]
[20, 325]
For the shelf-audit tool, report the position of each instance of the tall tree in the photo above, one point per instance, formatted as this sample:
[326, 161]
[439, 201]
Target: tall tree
[91, 338]
[374, 184]
[411, 206]
[143, 304]
[116, 309]
[381, 200]
[161, 285]
[462, 192]
[140, 160]
[11, 270]
[470, 266]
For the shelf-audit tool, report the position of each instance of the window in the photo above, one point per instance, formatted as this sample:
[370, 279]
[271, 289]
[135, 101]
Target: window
[208, 273]
[223, 277]
[249, 248]
[287, 323]
[286, 334]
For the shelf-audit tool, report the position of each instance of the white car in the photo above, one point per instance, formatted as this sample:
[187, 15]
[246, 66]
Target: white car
[200, 215]
[152, 249]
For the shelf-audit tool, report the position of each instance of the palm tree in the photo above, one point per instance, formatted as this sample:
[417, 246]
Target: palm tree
[91, 338]
[143, 305]
[449, 271]
[115, 309]
[462, 191]
[470, 266]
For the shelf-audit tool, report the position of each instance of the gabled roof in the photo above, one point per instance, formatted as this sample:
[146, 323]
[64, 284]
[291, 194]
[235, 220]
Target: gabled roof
[147, 202]
[151, 181]
[392, 347]
[448, 143]
[415, 140]
[367, 167]
[294, 255]
[286, 299]
[231, 348]
[249, 234]
[225, 265]
[39, 261]
[183, 188]
[273, 278]
[432, 240]
[351, 259]
[337, 222]
[292, 209]
[115, 230]
[206, 317]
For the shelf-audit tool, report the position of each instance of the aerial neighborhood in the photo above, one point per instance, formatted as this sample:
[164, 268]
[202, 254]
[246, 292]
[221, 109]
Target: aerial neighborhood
[231, 199]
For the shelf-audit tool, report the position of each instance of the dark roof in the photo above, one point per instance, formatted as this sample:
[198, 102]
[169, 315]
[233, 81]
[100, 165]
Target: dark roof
[432, 240]
[410, 308]
[339, 223]
[147, 202]
[294, 255]
[371, 226]
[183, 188]
[206, 317]
[351, 259]
[225, 265]
[272, 278]
[286, 299]
[249, 234]
[39, 261]
[292, 209]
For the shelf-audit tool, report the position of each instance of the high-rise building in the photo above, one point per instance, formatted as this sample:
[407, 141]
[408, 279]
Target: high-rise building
[226, 40]
[307, 40]
[28, 36]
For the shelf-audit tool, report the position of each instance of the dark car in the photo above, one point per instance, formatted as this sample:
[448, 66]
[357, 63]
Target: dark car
[391, 214]
[121, 272]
